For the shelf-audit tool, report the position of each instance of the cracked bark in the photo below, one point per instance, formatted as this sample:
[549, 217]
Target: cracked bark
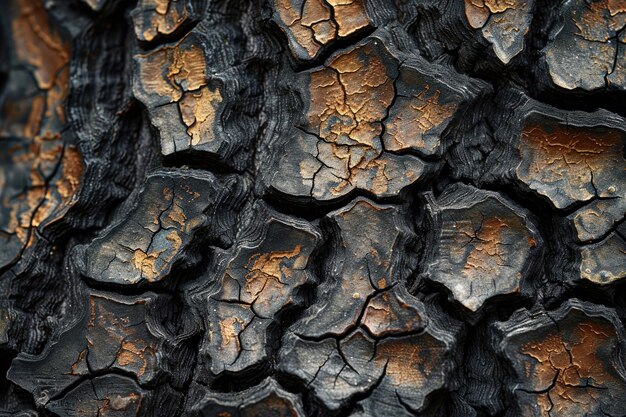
[318, 208]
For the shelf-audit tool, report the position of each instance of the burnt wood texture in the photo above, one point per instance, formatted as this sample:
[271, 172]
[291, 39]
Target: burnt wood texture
[322, 208]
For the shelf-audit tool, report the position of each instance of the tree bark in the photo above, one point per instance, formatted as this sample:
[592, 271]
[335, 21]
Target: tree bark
[313, 208]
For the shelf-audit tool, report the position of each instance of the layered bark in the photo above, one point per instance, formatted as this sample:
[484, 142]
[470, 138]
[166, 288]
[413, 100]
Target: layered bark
[312, 208]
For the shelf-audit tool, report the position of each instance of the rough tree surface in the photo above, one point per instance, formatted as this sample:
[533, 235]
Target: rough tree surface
[312, 208]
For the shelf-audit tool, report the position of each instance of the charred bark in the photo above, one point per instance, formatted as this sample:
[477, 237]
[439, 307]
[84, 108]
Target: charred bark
[313, 208]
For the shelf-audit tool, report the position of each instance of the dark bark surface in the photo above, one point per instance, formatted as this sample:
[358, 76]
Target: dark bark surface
[323, 208]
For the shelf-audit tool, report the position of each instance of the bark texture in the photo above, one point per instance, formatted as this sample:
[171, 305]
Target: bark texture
[324, 208]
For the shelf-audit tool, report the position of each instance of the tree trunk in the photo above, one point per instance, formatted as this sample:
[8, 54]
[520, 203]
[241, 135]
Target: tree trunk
[313, 208]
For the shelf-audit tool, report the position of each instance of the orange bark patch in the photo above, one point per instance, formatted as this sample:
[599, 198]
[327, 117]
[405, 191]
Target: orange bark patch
[350, 98]
[198, 113]
[478, 11]
[187, 68]
[137, 348]
[616, 6]
[350, 16]
[152, 18]
[40, 47]
[269, 271]
[600, 19]
[43, 198]
[415, 118]
[48, 170]
[409, 361]
[319, 22]
[72, 172]
[154, 263]
[145, 262]
[261, 281]
[172, 70]
[38, 44]
[132, 355]
[388, 314]
[486, 253]
[504, 24]
[572, 366]
[79, 363]
[484, 247]
[177, 215]
[564, 163]
[230, 328]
